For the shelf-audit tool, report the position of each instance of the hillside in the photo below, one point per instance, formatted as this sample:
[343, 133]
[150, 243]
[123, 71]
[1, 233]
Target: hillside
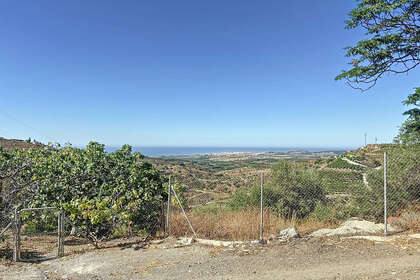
[12, 144]
[215, 177]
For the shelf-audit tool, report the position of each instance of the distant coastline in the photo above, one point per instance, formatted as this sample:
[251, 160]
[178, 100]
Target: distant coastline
[179, 151]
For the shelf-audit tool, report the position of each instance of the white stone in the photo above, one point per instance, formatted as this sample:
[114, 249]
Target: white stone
[218, 243]
[288, 233]
[416, 235]
[353, 226]
[374, 238]
[186, 241]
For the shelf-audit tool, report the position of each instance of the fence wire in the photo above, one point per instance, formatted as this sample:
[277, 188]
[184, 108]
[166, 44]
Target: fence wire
[252, 204]
[381, 187]
[39, 229]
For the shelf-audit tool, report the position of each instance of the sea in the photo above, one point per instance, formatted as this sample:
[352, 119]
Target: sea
[179, 151]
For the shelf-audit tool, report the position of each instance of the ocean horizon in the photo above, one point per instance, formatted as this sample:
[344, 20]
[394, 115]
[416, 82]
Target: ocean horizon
[180, 151]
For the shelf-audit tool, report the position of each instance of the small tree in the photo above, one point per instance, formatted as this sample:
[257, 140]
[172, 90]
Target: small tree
[293, 192]
[410, 130]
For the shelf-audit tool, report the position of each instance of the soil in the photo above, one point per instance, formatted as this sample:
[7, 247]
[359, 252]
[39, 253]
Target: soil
[314, 258]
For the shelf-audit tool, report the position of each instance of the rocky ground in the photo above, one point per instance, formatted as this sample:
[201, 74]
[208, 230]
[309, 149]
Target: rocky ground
[302, 258]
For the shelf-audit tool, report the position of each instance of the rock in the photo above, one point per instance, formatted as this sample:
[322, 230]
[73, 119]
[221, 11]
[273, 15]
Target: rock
[288, 233]
[73, 231]
[258, 242]
[375, 238]
[353, 227]
[218, 243]
[186, 241]
[322, 232]
[415, 235]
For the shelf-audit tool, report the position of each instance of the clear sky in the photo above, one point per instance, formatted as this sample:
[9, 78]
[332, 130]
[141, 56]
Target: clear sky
[188, 73]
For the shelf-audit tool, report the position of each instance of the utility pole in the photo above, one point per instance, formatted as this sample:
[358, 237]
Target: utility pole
[376, 140]
[365, 139]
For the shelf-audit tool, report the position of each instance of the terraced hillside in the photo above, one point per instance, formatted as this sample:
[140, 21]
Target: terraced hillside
[211, 178]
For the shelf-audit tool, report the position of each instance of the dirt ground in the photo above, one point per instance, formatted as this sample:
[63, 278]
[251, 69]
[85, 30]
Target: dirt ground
[315, 258]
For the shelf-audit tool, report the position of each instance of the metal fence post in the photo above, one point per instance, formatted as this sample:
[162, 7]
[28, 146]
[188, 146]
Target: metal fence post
[16, 237]
[385, 198]
[261, 208]
[60, 252]
[183, 211]
[168, 211]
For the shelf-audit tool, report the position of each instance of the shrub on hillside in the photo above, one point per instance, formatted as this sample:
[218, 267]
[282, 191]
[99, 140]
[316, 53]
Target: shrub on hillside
[403, 180]
[340, 163]
[290, 193]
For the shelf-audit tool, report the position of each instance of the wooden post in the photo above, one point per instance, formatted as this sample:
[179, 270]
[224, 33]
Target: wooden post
[16, 236]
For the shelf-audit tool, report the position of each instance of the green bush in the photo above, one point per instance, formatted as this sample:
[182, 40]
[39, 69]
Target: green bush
[97, 190]
[403, 180]
[340, 181]
[334, 212]
[39, 221]
[241, 199]
[290, 193]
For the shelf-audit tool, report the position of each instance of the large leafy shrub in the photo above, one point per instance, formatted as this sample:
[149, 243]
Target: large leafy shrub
[291, 192]
[98, 190]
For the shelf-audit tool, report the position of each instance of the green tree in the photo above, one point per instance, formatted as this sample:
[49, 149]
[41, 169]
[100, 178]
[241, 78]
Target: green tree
[393, 43]
[410, 130]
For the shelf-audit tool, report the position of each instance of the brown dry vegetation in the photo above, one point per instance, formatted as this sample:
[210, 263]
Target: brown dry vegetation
[237, 225]
[12, 144]
[408, 220]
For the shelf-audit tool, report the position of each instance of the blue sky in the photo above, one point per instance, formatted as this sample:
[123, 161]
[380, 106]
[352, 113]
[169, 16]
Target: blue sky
[188, 73]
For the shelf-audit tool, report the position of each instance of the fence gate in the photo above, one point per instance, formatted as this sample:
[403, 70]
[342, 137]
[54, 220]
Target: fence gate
[38, 234]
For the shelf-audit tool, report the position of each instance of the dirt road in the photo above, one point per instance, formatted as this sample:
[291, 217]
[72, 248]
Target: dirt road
[301, 259]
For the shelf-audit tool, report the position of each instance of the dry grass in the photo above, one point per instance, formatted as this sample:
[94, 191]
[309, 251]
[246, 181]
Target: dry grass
[410, 221]
[236, 225]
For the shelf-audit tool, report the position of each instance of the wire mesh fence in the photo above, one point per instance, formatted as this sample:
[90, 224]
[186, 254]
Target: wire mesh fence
[39, 233]
[6, 238]
[380, 187]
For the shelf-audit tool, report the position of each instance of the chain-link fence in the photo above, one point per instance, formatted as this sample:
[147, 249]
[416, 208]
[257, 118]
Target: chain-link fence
[6, 238]
[39, 233]
[373, 185]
